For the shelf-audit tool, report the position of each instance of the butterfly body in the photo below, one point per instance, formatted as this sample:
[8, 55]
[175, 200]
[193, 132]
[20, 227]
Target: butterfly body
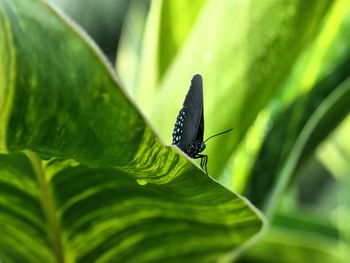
[189, 126]
[195, 148]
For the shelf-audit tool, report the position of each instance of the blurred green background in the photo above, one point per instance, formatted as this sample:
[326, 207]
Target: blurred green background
[278, 73]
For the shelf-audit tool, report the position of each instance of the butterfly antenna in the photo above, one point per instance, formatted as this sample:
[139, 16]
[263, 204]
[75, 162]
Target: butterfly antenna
[218, 134]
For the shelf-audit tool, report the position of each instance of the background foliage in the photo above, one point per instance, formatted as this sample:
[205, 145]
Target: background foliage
[276, 71]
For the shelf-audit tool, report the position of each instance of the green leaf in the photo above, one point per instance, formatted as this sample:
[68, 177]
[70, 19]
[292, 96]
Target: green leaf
[288, 246]
[37, 113]
[328, 115]
[306, 90]
[177, 20]
[323, 55]
[326, 104]
[335, 154]
[95, 183]
[131, 46]
[299, 236]
[104, 214]
[22, 220]
[149, 44]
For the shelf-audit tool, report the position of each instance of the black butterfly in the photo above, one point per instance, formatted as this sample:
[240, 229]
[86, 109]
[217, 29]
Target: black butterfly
[189, 127]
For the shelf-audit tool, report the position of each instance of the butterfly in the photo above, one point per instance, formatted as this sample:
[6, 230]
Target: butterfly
[189, 126]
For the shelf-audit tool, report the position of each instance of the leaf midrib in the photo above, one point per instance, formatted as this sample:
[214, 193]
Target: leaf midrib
[49, 207]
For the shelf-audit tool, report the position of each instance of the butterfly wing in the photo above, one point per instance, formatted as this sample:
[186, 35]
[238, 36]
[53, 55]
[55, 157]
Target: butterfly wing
[189, 124]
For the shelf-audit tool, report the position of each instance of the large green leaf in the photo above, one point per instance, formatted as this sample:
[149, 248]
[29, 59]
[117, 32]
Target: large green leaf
[244, 53]
[95, 182]
[104, 214]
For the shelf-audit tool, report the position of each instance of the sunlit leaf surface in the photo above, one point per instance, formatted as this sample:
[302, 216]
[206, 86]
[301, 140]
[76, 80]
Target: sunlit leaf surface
[83, 177]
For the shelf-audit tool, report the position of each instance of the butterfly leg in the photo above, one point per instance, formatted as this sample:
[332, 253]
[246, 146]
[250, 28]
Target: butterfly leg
[204, 161]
